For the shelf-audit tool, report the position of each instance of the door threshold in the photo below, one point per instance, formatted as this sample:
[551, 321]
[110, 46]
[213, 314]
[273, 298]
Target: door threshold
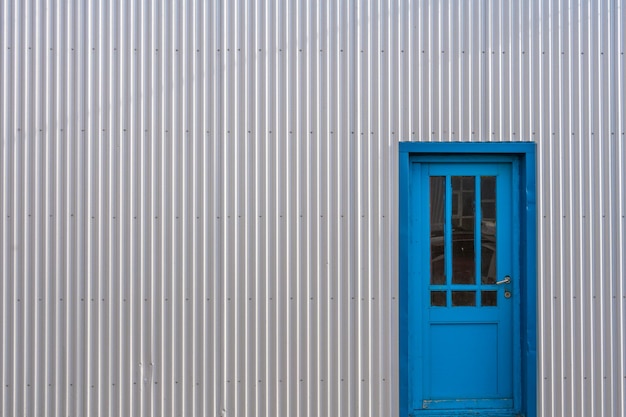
[465, 413]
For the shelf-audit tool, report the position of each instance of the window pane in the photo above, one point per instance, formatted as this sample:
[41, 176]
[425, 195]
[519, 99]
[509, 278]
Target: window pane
[438, 298]
[488, 229]
[489, 298]
[463, 253]
[437, 221]
[463, 298]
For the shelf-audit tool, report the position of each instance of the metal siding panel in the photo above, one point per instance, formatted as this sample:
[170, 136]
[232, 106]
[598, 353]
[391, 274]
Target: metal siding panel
[199, 200]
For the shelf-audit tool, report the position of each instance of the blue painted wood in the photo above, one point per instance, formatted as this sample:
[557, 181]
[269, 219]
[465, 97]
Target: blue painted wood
[414, 312]
[528, 269]
[466, 353]
[478, 236]
[526, 149]
[522, 157]
[469, 412]
[403, 270]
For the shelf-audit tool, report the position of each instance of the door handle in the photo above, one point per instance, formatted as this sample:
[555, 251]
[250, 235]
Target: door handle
[506, 280]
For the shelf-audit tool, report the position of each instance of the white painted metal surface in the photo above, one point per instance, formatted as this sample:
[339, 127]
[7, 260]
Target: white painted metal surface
[198, 199]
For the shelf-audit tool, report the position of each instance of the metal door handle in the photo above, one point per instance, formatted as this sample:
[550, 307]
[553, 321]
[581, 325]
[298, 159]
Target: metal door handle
[506, 280]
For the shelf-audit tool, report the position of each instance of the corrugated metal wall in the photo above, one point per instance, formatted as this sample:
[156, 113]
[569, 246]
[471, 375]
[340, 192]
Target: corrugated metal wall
[198, 199]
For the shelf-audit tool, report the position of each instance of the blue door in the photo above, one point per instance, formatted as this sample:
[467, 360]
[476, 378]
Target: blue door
[463, 289]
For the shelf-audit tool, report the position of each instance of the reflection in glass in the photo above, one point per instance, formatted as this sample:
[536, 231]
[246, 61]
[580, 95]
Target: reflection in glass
[463, 220]
[488, 229]
[463, 298]
[438, 298]
[489, 298]
[437, 221]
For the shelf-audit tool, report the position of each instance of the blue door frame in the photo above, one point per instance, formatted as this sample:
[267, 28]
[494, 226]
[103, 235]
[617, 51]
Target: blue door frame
[523, 155]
